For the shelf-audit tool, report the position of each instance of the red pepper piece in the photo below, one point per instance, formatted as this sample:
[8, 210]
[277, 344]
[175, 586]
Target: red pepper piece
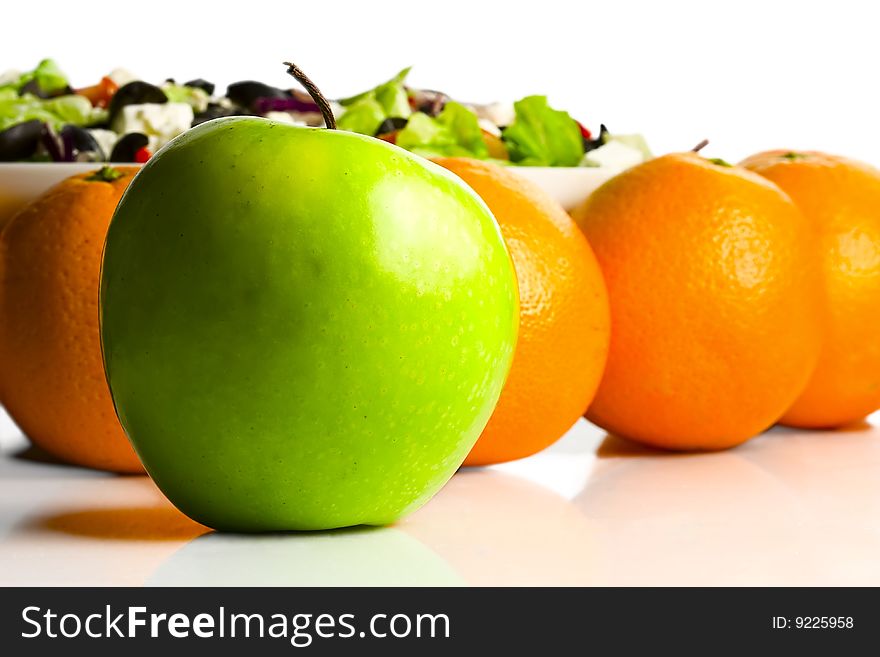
[585, 133]
[141, 155]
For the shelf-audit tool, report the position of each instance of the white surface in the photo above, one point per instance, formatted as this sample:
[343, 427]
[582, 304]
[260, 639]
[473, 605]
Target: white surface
[788, 508]
[749, 75]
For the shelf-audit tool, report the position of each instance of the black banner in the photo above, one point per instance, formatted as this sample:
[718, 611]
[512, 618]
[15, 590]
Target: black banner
[322, 621]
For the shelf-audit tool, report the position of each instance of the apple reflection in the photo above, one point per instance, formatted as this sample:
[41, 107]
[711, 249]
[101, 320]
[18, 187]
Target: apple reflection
[483, 528]
[361, 556]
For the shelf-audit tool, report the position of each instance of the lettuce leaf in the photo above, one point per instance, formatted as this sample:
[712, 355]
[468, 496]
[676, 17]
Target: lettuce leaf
[73, 109]
[57, 112]
[195, 97]
[48, 76]
[366, 111]
[543, 136]
[455, 132]
[365, 117]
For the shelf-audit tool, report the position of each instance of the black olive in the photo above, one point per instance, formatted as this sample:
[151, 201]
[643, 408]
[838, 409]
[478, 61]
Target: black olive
[429, 101]
[52, 143]
[204, 85]
[134, 93]
[391, 125]
[20, 141]
[593, 144]
[127, 146]
[80, 145]
[214, 111]
[245, 93]
[68, 150]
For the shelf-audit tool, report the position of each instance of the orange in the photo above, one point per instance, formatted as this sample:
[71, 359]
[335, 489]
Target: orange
[842, 200]
[564, 321]
[715, 314]
[51, 372]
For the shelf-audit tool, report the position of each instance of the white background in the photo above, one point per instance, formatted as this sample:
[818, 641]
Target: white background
[747, 75]
[788, 508]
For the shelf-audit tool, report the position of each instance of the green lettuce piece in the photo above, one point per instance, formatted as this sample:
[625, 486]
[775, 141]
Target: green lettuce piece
[16, 109]
[7, 95]
[71, 109]
[367, 110]
[421, 132]
[454, 133]
[49, 78]
[387, 91]
[193, 96]
[364, 117]
[543, 136]
[57, 112]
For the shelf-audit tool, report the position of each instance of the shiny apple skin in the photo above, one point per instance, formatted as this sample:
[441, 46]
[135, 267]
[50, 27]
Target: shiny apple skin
[302, 329]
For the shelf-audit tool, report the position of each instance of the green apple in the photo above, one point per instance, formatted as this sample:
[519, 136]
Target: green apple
[302, 328]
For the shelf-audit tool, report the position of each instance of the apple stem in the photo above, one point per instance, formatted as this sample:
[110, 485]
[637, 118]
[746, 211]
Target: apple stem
[315, 93]
[700, 146]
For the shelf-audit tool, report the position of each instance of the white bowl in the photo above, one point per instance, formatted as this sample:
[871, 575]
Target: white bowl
[568, 185]
[23, 182]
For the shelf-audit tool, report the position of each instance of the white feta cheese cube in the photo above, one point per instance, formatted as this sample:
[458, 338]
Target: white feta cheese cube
[106, 140]
[160, 122]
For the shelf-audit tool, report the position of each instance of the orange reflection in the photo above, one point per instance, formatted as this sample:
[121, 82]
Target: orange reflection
[615, 446]
[709, 518]
[161, 523]
[87, 545]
